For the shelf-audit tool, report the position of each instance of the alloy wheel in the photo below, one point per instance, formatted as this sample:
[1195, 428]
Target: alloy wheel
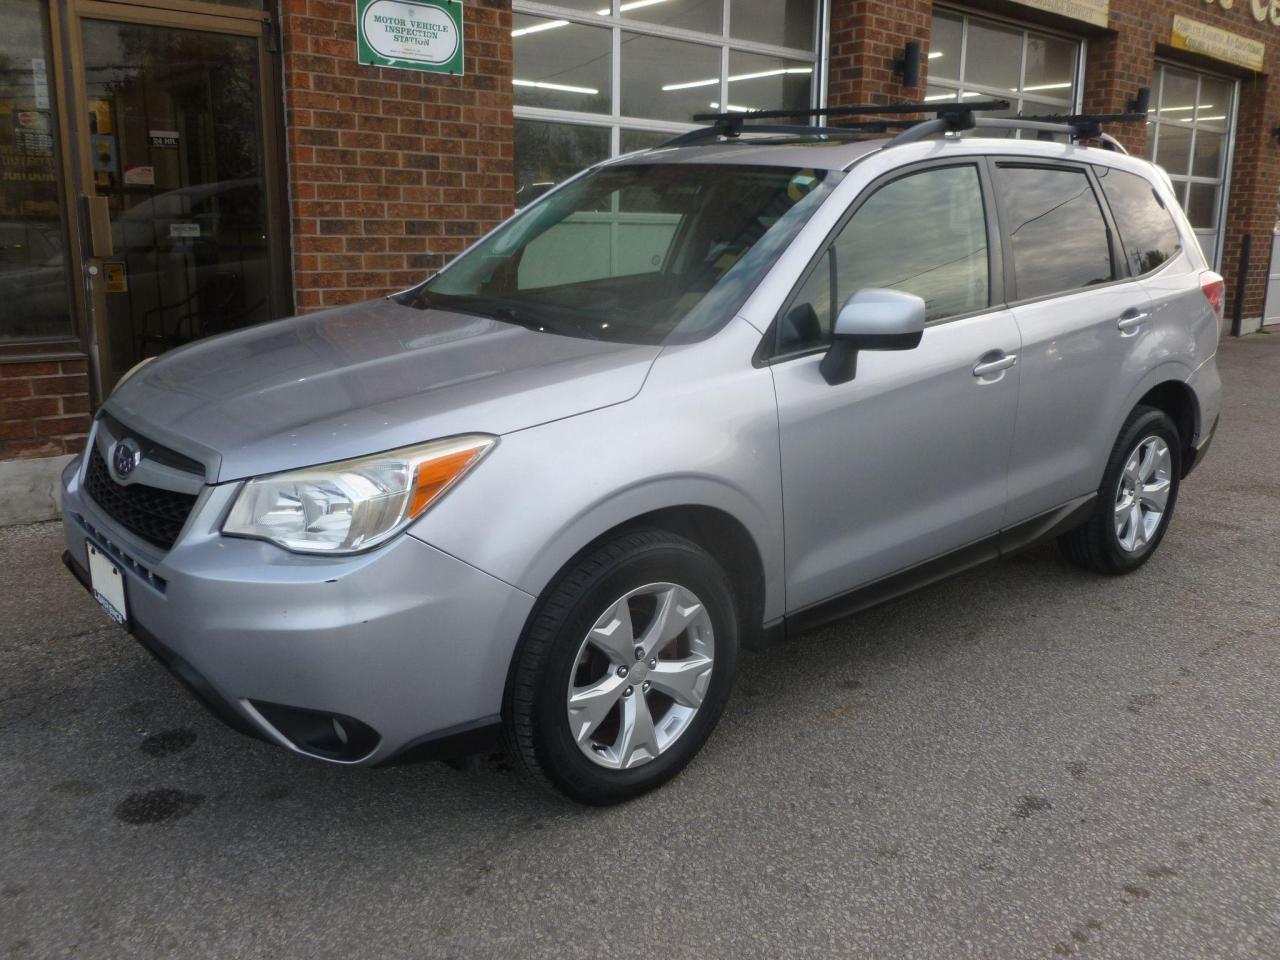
[640, 675]
[1142, 494]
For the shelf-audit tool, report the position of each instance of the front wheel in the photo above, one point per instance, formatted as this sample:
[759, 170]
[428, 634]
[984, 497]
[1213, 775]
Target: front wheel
[1136, 499]
[624, 669]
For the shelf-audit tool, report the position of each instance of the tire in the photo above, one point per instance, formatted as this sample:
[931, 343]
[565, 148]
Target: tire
[1113, 541]
[634, 577]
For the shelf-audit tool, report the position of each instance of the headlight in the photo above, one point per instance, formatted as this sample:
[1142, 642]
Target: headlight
[356, 504]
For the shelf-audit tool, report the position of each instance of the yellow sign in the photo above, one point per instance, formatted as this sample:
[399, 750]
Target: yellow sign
[1220, 44]
[117, 280]
[1090, 11]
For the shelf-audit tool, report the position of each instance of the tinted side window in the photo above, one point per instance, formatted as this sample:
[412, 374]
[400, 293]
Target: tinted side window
[1146, 228]
[1056, 228]
[925, 233]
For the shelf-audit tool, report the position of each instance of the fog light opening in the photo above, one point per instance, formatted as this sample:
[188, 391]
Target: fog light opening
[330, 736]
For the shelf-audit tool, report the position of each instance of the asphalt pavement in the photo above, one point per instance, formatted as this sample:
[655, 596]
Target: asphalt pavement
[1024, 761]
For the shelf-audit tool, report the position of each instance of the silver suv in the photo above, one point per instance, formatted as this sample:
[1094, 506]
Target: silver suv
[695, 398]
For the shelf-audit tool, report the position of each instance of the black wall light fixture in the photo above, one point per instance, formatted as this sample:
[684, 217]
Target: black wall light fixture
[1141, 103]
[908, 65]
[1276, 133]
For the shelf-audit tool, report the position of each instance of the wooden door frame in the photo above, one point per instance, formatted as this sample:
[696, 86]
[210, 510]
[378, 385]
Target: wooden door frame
[78, 162]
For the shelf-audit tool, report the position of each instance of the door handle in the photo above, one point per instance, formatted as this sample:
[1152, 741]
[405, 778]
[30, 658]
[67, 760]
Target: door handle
[1132, 320]
[986, 368]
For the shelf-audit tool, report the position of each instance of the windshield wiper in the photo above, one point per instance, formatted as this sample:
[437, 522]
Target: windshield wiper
[499, 310]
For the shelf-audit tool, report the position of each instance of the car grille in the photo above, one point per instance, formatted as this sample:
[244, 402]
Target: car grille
[155, 515]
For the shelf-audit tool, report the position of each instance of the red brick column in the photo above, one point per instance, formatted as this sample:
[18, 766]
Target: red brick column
[1118, 65]
[1255, 190]
[391, 172]
[44, 408]
[867, 36]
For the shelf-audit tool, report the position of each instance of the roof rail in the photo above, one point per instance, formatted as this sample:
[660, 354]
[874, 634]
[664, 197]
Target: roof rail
[865, 110]
[1078, 126]
[727, 130]
[958, 116]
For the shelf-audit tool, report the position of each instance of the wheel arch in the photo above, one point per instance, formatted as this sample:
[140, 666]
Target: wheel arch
[1177, 400]
[718, 531]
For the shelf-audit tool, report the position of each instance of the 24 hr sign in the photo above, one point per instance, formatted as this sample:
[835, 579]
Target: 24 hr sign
[410, 35]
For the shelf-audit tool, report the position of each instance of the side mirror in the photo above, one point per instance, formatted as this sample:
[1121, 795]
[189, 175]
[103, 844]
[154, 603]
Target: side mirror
[872, 319]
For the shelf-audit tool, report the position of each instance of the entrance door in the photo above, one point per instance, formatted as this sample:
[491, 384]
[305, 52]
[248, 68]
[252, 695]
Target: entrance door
[174, 137]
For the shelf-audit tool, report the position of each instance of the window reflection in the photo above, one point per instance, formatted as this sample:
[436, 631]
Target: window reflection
[924, 234]
[789, 23]
[1056, 228]
[561, 65]
[547, 153]
[668, 79]
[1146, 229]
[33, 280]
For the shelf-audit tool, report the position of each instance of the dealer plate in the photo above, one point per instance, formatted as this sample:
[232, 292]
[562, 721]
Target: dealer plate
[108, 585]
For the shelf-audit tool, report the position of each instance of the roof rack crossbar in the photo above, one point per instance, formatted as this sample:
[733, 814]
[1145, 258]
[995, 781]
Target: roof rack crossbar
[1075, 126]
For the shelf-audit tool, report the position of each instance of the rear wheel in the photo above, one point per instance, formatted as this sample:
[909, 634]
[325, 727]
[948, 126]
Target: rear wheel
[1136, 499]
[625, 668]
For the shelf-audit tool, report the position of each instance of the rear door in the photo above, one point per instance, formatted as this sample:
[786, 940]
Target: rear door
[1082, 323]
[906, 461]
[1169, 270]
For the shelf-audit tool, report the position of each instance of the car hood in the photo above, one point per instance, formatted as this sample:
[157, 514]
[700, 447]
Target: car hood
[368, 377]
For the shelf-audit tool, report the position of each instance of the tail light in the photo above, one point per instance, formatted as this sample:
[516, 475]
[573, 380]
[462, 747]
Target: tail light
[1214, 289]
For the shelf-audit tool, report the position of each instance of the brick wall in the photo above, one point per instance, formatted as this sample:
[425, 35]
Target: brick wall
[391, 172]
[867, 36]
[44, 408]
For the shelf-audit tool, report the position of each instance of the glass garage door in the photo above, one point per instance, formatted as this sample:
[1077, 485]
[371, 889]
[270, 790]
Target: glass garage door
[596, 78]
[1190, 136]
[972, 58]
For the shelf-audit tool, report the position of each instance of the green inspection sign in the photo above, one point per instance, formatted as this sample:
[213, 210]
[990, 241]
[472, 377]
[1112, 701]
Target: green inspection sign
[410, 35]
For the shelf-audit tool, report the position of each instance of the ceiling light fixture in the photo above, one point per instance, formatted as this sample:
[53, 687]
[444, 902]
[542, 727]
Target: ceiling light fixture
[742, 76]
[566, 88]
[539, 27]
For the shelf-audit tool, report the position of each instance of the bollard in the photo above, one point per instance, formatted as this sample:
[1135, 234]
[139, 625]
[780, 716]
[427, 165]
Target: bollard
[1242, 278]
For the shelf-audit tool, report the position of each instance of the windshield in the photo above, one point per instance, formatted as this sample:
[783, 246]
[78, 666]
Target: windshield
[638, 253]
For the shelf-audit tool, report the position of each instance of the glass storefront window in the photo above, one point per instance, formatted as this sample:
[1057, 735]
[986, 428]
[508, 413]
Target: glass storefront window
[631, 140]
[1189, 136]
[757, 82]
[547, 153]
[993, 56]
[945, 46]
[561, 65]
[33, 273]
[667, 79]
[702, 16]
[627, 74]
[971, 58]
[787, 23]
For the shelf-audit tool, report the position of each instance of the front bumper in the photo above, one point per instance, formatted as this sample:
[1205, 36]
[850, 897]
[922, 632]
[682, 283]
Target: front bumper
[405, 639]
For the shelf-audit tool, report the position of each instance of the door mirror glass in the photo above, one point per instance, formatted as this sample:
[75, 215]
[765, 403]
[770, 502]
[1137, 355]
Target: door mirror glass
[872, 319]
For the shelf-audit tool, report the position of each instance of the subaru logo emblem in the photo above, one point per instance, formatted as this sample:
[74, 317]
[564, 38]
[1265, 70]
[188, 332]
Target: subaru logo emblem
[125, 455]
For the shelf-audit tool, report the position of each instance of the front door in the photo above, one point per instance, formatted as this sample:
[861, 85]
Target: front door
[908, 460]
[177, 175]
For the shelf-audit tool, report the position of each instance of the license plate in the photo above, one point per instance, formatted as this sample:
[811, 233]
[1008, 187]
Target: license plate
[108, 585]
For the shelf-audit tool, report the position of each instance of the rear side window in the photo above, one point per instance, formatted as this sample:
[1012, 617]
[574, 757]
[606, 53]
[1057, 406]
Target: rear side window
[925, 233]
[1056, 229]
[1146, 228]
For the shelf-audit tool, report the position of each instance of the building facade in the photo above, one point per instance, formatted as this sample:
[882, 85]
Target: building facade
[170, 169]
